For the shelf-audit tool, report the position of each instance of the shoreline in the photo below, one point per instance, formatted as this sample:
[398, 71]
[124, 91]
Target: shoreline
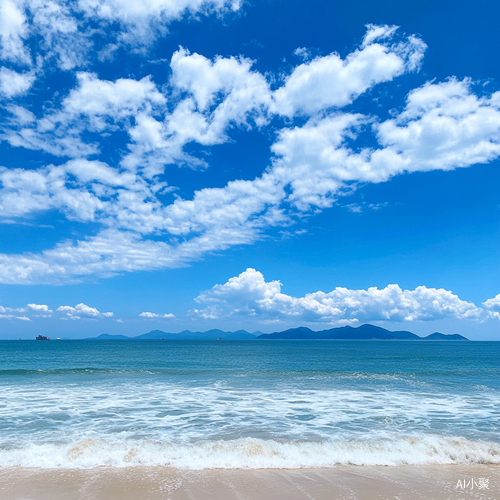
[404, 482]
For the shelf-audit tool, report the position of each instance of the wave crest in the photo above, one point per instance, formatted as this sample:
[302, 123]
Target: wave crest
[251, 453]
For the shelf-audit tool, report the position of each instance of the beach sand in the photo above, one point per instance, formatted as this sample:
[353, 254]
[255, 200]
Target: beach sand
[155, 483]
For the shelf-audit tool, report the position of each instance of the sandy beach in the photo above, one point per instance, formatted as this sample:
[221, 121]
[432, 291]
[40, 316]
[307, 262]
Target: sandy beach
[349, 483]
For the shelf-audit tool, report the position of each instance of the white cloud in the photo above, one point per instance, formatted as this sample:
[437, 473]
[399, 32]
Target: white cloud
[248, 287]
[82, 311]
[43, 311]
[143, 21]
[99, 99]
[65, 36]
[86, 191]
[47, 134]
[131, 13]
[39, 310]
[13, 30]
[94, 105]
[493, 306]
[303, 53]
[216, 95]
[52, 25]
[27, 191]
[4, 310]
[65, 31]
[444, 126]
[230, 78]
[150, 315]
[315, 162]
[377, 32]
[112, 252]
[20, 115]
[39, 307]
[106, 254]
[330, 81]
[249, 294]
[13, 83]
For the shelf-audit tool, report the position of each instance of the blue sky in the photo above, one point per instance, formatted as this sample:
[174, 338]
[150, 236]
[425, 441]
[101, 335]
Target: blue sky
[204, 164]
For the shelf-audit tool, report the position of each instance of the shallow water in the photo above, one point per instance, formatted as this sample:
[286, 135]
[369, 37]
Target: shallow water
[205, 404]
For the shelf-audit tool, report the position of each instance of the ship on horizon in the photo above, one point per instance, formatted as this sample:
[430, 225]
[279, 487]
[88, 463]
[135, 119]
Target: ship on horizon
[41, 337]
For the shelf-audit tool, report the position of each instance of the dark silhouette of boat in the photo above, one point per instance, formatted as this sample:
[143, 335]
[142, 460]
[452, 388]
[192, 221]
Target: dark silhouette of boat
[41, 337]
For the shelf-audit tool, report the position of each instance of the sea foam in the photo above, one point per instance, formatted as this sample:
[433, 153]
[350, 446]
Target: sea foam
[251, 453]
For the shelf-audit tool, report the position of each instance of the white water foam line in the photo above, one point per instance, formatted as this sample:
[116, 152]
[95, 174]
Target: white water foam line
[250, 453]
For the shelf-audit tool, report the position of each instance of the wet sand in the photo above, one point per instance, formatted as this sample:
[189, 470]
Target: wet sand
[438, 482]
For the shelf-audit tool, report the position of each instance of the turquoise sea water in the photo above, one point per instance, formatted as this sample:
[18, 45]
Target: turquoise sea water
[204, 404]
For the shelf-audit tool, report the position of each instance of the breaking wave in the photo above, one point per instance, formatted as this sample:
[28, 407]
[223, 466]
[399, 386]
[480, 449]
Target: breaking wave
[251, 453]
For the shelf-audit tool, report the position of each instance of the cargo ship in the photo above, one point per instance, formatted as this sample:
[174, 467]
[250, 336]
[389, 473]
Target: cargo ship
[41, 337]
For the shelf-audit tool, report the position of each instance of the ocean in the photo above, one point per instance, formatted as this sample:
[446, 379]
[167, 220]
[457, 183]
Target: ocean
[248, 404]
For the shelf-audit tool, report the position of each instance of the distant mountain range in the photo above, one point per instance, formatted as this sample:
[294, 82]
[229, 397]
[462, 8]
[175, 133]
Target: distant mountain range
[363, 332]
[185, 335]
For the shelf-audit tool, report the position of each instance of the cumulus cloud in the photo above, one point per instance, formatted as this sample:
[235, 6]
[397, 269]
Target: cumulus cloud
[309, 88]
[229, 77]
[82, 311]
[150, 315]
[493, 306]
[444, 126]
[13, 313]
[4, 310]
[39, 310]
[250, 295]
[217, 94]
[98, 99]
[43, 308]
[36, 310]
